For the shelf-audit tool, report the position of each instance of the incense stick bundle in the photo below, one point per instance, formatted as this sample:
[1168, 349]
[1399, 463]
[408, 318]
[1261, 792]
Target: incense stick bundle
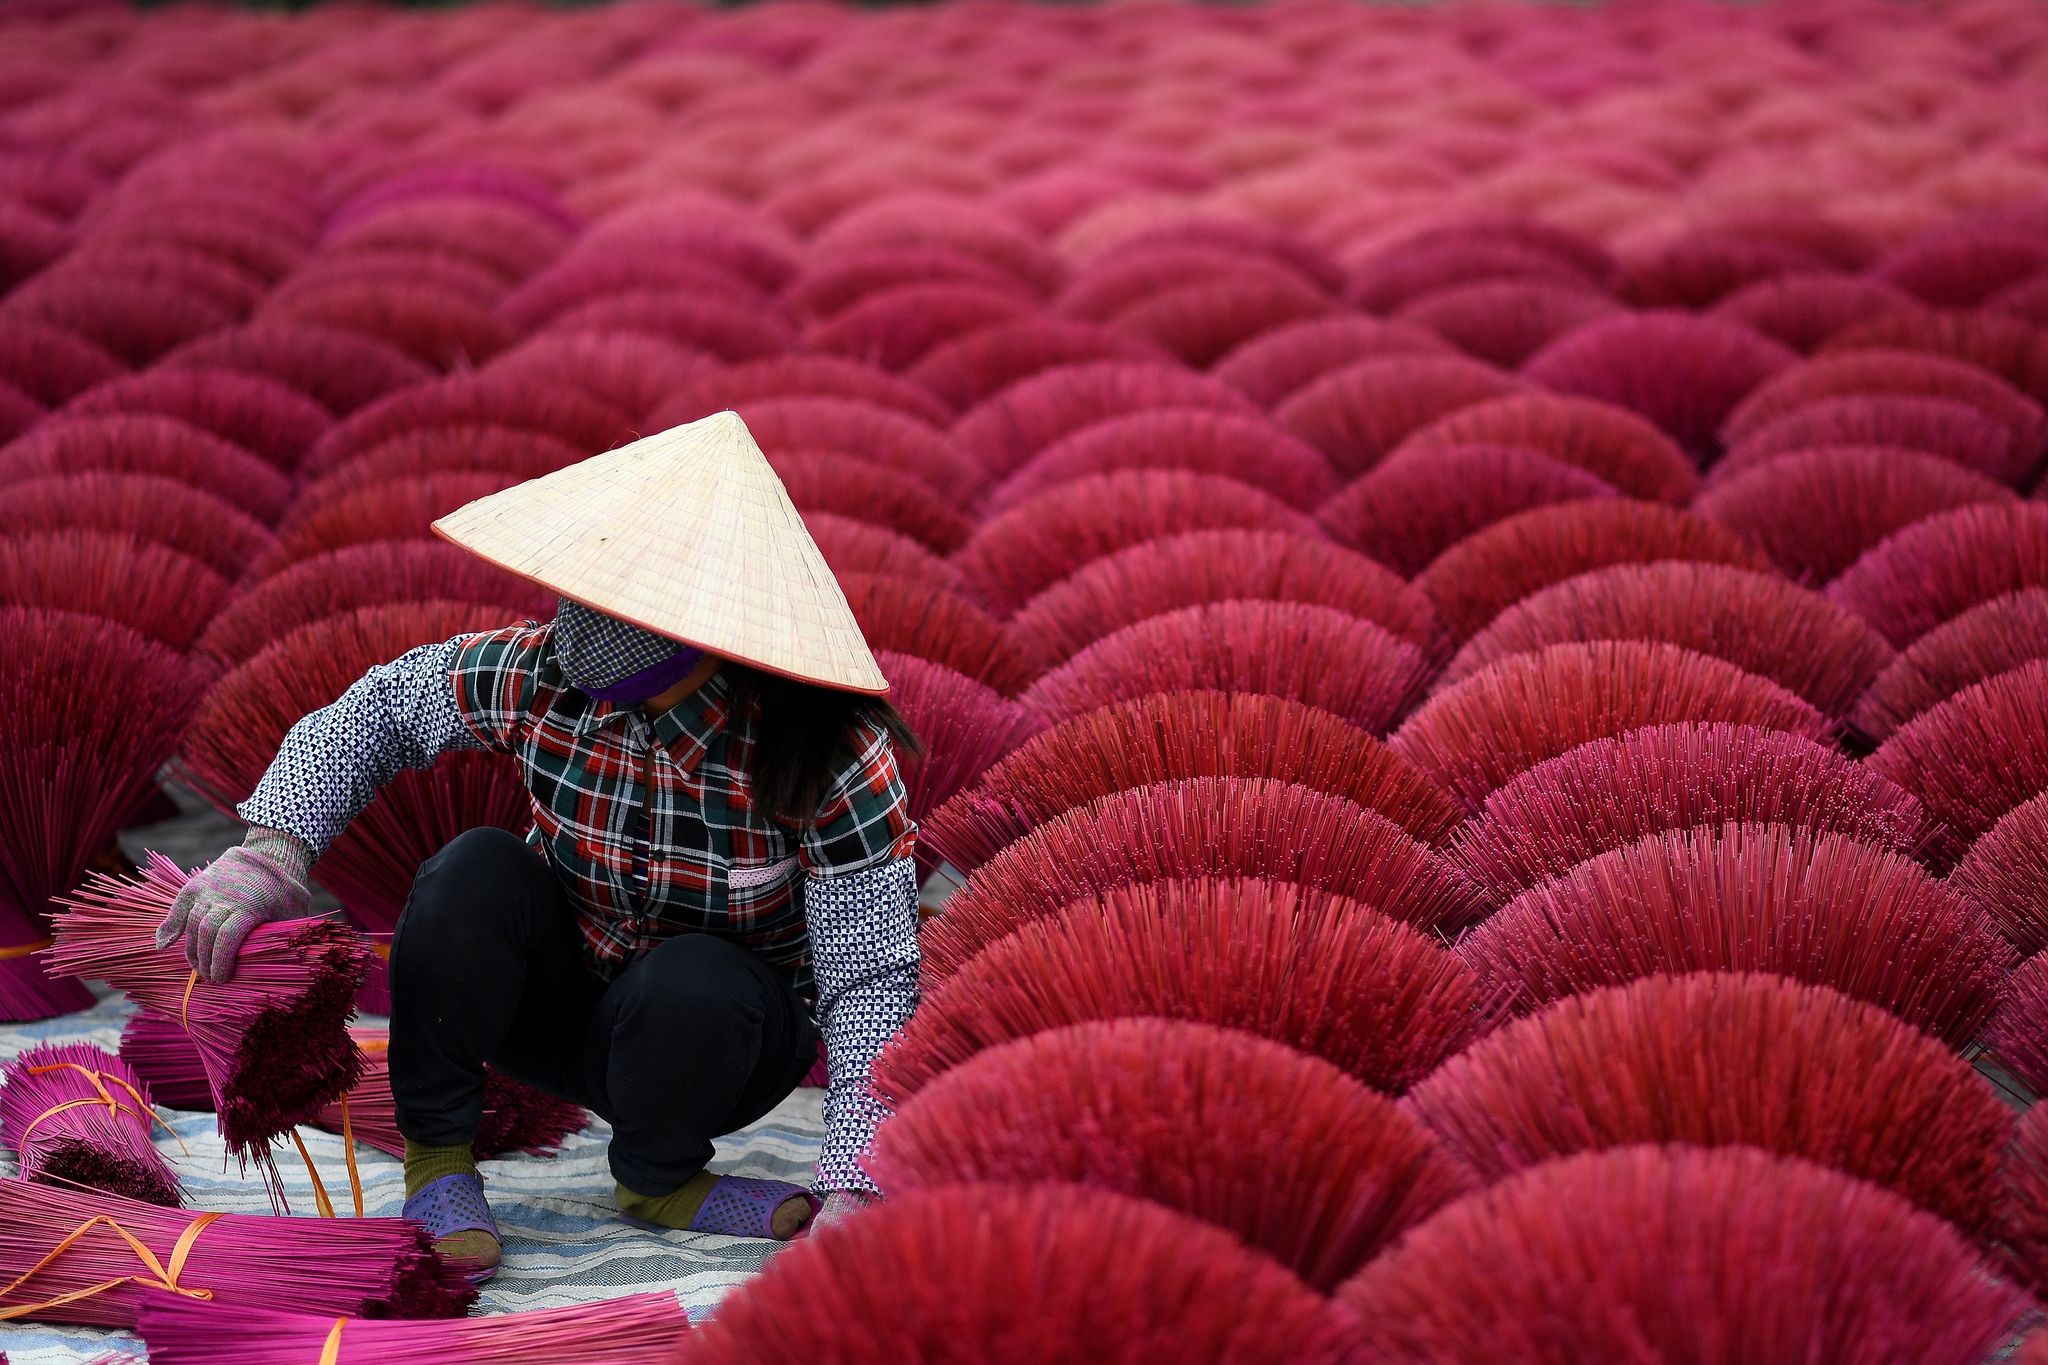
[89, 710]
[88, 1259]
[79, 1116]
[639, 1329]
[167, 1061]
[516, 1117]
[273, 1040]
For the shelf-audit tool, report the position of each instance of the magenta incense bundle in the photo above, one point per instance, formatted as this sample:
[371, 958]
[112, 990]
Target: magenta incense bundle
[79, 1116]
[167, 1061]
[273, 1040]
[516, 1117]
[89, 710]
[89, 1258]
[640, 1329]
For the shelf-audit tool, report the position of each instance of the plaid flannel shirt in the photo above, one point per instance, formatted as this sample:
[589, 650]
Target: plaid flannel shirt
[651, 827]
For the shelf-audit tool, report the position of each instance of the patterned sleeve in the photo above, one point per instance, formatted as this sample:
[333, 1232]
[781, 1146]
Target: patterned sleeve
[860, 904]
[399, 715]
[863, 929]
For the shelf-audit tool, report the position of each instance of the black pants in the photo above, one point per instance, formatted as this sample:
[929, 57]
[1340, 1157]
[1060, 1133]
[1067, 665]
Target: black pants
[697, 1038]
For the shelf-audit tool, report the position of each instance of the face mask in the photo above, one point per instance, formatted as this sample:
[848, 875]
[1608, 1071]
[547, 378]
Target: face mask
[651, 681]
[606, 658]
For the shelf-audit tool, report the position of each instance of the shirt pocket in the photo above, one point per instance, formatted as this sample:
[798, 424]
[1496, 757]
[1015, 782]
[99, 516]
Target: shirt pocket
[760, 895]
[750, 879]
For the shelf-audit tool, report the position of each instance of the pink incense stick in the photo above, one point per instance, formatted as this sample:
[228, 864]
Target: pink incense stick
[516, 1117]
[639, 1329]
[87, 1258]
[273, 1040]
[79, 1116]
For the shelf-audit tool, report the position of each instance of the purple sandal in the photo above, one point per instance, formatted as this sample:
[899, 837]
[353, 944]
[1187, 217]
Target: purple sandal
[455, 1203]
[740, 1206]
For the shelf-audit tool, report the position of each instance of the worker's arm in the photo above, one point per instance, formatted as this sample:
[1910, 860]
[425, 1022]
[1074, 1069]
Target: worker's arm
[860, 902]
[464, 693]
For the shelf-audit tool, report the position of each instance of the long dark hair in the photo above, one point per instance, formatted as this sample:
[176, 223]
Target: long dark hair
[806, 738]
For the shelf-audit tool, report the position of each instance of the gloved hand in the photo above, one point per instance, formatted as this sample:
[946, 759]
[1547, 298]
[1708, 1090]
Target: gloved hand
[225, 901]
[839, 1206]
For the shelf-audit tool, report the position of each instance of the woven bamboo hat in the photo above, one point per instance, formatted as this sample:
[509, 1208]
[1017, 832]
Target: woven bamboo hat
[689, 534]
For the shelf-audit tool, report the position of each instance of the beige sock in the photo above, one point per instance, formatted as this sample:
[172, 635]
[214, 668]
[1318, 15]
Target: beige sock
[676, 1208]
[423, 1166]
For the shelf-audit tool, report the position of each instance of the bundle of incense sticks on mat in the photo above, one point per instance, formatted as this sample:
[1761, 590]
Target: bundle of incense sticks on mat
[26, 991]
[273, 1040]
[639, 1329]
[88, 1258]
[516, 1117]
[79, 1116]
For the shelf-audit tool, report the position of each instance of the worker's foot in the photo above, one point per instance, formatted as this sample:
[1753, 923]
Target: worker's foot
[445, 1195]
[730, 1205]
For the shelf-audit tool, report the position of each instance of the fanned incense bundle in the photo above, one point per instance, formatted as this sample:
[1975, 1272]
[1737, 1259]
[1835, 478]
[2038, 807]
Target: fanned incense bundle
[79, 1116]
[2005, 874]
[1718, 1059]
[1203, 827]
[1178, 735]
[1762, 624]
[1651, 1253]
[1608, 442]
[1216, 1123]
[1976, 757]
[1821, 908]
[964, 725]
[1322, 973]
[1610, 792]
[516, 1117]
[639, 1329]
[1478, 735]
[2023, 1212]
[274, 1039]
[89, 710]
[91, 1258]
[1020, 1275]
[1966, 437]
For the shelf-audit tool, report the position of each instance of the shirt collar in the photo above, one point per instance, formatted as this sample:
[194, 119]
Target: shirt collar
[686, 730]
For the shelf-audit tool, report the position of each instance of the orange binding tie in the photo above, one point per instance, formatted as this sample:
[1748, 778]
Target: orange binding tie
[348, 1154]
[321, 1202]
[164, 1276]
[100, 1080]
[24, 949]
[320, 1199]
[185, 1005]
[330, 1354]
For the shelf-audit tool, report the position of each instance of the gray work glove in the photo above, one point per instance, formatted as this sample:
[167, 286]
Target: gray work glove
[224, 902]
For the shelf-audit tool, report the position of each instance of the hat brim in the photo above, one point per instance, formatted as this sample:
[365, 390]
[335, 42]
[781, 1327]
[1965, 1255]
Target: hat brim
[722, 652]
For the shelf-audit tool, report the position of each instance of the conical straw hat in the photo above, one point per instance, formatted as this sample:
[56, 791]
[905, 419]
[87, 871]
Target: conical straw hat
[689, 534]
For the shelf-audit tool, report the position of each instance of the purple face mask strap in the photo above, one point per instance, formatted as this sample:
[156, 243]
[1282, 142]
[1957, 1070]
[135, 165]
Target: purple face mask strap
[651, 681]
